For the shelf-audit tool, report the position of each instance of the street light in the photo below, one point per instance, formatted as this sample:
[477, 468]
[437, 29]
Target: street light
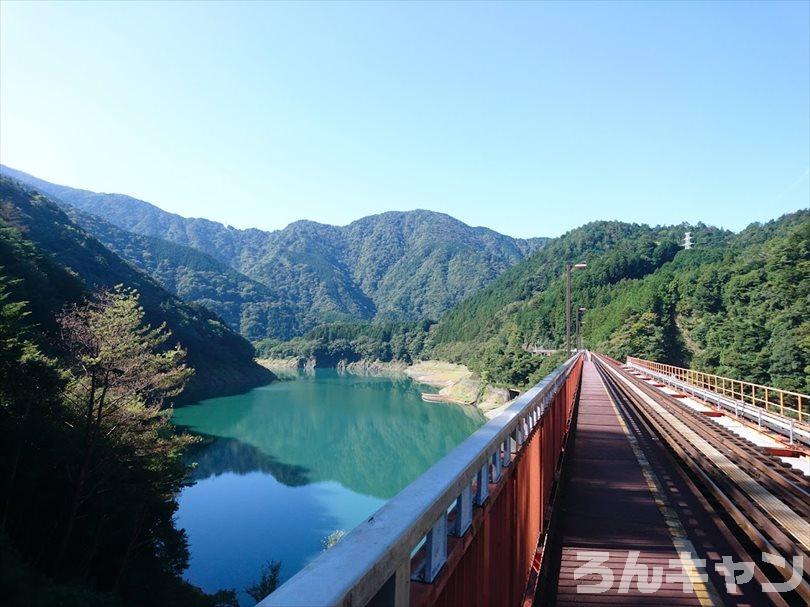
[568, 268]
[579, 336]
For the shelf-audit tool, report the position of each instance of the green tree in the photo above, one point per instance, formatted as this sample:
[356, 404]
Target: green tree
[118, 378]
[29, 383]
[267, 583]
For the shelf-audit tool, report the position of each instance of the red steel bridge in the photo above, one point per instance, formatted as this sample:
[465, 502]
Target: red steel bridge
[605, 484]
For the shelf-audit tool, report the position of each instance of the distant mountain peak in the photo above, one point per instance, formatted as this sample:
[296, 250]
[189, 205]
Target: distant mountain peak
[404, 265]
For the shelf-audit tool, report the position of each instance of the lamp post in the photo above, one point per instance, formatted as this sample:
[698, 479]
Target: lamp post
[578, 340]
[568, 268]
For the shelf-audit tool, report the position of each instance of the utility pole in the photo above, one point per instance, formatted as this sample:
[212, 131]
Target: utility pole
[568, 268]
[568, 310]
[578, 341]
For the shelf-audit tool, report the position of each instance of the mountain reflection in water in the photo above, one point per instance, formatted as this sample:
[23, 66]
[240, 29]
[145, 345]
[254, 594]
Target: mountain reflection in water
[282, 466]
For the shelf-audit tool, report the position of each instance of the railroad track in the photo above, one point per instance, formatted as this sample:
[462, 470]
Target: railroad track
[767, 501]
[753, 414]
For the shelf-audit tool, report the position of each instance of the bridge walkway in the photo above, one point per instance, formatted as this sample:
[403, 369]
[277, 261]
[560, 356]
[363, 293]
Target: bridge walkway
[623, 502]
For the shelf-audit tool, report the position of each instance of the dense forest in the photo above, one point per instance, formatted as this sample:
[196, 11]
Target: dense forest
[735, 304]
[396, 266]
[741, 310]
[53, 262]
[332, 343]
[245, 305]
[400, 286]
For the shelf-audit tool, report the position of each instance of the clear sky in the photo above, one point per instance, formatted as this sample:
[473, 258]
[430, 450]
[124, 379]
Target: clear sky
[530, 119]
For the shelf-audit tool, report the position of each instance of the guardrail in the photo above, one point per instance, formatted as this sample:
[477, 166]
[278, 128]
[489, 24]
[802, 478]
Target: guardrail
[787, 426]
[786, 403]
[466, 531]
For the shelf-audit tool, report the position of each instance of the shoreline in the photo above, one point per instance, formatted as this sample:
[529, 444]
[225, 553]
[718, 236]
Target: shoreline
[456, 383]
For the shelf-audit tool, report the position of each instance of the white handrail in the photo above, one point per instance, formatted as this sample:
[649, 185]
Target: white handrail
[374, 559]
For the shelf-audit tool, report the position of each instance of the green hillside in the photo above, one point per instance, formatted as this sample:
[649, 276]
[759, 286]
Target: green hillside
[52, 262]
[246, 306]
[742, 310]
[396, 266]
[735, 304]
[430, 285]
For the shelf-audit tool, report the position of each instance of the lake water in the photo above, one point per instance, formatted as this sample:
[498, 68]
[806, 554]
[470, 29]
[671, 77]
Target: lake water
[286, 464]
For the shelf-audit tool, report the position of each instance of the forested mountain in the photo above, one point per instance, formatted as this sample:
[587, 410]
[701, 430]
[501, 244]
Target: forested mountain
[736, 304]
[49, 261]
[399, 266]
[247, 306]
[741, 310]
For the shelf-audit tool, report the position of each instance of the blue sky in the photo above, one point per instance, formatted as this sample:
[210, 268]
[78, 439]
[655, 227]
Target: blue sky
[530, 119]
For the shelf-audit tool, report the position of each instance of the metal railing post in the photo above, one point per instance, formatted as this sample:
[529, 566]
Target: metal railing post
[464, 504]
[435, 549]
[482, 487]
[496, 463]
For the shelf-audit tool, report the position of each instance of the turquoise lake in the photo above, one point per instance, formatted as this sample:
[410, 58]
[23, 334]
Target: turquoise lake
[284, 465]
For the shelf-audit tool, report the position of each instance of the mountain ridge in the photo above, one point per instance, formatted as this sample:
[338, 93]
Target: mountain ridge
[196, 277]
[76, 195]
[42, 246]
[734, 304]
[396, 265]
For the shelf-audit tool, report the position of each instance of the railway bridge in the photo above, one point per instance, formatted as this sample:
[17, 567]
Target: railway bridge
[607, 483]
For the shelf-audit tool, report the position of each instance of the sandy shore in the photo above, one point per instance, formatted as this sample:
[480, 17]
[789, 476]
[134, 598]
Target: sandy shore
[283, 364]
[457, 384]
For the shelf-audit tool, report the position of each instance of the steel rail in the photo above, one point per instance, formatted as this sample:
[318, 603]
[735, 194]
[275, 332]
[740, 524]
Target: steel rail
[745, 511]
[772, 473]
[766, 470]
[745, 401]
[742, 501]
[779, 478]
[372, 563]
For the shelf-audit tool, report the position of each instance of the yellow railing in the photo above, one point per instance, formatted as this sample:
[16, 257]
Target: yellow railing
[786, 403]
